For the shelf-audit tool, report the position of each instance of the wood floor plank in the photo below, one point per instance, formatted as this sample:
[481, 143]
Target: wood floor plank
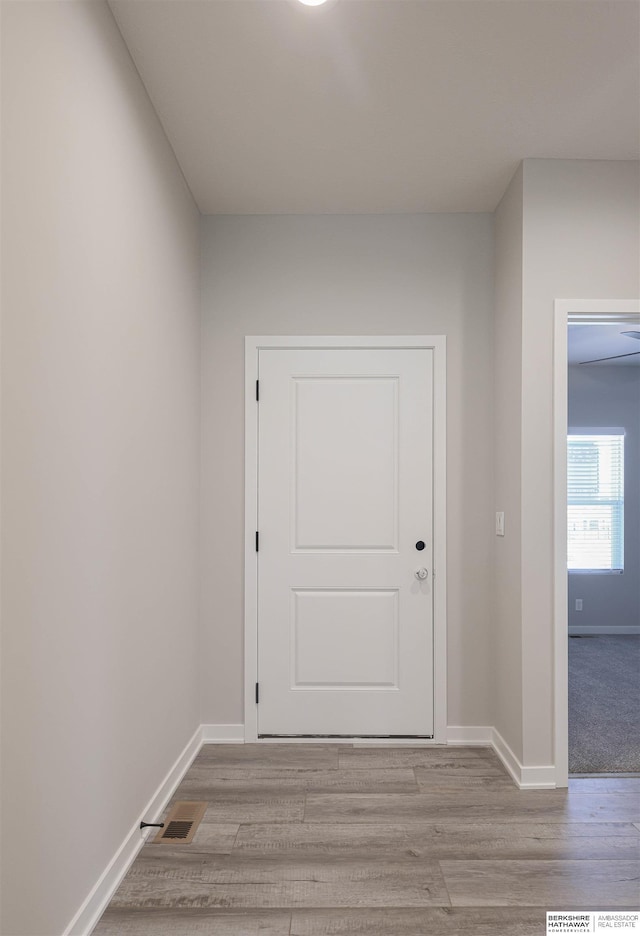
[204, 782]
[366, 758]
[463, 767]
[443, 781]
[267, 756]
[575, 884]
[435, 921]
[477, 805]
[230, 807]
[212, 837]
[471, 840]
[330, 839]
[194, 880]
[125, 922]
[604, 785]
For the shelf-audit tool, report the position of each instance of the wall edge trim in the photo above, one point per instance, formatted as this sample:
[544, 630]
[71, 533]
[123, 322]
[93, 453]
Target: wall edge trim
[94, 905]
[542, 777]
[469, 735]
[222, 734]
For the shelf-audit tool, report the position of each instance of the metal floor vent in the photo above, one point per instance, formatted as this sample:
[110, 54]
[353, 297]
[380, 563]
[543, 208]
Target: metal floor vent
[181, 823]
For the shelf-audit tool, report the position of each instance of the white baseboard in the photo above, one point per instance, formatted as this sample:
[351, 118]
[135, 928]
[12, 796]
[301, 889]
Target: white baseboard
[506, 755]
[576, 630]
[527, 778]
[95, 904]
[222, 734]
[469, 735]
[542, 777]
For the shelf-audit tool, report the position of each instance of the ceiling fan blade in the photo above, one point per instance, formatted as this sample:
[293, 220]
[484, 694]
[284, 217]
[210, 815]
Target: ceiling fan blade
[631, 334]
[613, 358]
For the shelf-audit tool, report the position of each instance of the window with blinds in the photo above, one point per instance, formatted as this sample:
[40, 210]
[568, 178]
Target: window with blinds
[595, 497]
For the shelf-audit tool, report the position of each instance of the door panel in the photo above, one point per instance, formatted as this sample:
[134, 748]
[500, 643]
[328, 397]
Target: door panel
[329, 629]
[343, 466]
[345, 629]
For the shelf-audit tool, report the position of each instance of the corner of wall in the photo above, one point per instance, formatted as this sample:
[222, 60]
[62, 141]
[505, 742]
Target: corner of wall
[508, 279]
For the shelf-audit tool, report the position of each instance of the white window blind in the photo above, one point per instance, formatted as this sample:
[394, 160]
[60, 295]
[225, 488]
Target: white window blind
[595, 497]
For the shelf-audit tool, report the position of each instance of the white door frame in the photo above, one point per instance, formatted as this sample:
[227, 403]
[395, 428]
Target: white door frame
[586, 312]
[253, 344]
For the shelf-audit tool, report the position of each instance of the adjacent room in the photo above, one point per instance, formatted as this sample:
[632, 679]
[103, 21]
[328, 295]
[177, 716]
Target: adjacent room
[283, 387]
[604, 548]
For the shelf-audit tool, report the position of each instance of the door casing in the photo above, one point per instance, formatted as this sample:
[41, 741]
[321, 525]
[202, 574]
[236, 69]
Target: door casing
[253, 345]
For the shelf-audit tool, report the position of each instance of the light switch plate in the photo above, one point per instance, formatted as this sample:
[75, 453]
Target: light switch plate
[500, 523]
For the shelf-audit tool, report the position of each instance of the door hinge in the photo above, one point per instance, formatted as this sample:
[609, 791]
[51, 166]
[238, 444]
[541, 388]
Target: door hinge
[257, 541]
[257, 390]
[257, 693]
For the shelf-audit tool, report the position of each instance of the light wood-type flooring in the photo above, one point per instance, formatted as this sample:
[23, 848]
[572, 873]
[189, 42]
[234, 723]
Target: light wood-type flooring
[319, 839]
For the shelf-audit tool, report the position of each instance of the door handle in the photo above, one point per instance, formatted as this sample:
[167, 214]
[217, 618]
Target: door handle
[422, 574]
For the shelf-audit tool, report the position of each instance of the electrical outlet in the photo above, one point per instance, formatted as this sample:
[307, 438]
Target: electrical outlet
[500, 523]
[578, 604]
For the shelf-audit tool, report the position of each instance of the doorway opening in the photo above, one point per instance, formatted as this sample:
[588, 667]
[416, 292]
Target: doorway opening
[598, 500]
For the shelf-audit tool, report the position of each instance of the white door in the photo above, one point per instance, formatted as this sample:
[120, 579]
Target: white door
[345, 491]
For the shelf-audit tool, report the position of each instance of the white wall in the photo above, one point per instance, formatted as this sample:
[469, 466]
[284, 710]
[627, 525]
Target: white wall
[100, 407]
[423, 274]
[606, 395]
[507, 430]
[565, 229]
[581, 240]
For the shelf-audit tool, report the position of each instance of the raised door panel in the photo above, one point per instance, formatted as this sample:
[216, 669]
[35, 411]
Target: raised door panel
[344, 464]
[330, 629]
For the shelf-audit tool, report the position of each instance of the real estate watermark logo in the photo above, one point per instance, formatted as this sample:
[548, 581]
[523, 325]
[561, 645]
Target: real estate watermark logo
[563, 922]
